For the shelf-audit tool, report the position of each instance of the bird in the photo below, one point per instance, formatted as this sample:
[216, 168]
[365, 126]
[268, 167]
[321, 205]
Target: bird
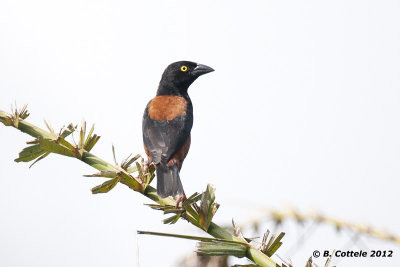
[167, 123]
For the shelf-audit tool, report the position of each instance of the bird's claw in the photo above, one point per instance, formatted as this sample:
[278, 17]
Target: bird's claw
[145, 165]
[180, 199]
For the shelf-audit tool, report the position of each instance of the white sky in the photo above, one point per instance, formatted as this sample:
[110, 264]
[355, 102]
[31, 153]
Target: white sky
[303, 109]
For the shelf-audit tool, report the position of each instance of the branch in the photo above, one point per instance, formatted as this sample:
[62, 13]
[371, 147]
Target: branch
[279, 216]
[47, 142]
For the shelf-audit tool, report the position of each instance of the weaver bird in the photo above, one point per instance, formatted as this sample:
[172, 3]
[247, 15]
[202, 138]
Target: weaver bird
[167, 122]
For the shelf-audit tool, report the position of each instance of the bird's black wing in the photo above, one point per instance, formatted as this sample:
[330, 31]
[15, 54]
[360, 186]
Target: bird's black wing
[164, 138]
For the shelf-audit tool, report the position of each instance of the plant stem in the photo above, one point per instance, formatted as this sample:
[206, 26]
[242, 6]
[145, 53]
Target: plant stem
[150, 192]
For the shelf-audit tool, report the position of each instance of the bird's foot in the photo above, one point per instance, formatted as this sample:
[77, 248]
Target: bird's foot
[179, 200]
[145, 165]
[172, 162]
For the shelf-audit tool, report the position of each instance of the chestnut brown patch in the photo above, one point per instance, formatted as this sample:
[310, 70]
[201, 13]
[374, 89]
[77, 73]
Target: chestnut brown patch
[180, 155]
[167, 107]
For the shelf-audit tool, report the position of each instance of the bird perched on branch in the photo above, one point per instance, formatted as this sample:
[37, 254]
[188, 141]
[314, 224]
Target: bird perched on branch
[167, 121]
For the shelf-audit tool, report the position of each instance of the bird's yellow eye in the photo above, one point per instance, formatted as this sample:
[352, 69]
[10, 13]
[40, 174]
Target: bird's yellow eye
[184, 68]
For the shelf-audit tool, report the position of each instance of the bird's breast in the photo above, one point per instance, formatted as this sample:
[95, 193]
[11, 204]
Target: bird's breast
[167, 107]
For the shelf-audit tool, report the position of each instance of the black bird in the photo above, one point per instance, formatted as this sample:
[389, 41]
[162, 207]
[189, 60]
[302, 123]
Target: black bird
[167, 122]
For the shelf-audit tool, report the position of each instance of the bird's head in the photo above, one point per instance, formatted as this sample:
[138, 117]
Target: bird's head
[178, 76]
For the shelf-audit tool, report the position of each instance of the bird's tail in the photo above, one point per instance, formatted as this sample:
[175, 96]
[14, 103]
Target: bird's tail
[168, 181]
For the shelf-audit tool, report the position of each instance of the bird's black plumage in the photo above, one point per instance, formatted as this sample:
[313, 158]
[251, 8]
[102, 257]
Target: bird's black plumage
[167, 122]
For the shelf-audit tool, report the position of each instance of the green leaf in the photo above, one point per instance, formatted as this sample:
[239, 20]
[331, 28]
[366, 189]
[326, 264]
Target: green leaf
[30, 153]
[207, 207]
[216, 248]
[152, 168]
[40, 158]
[113, 151]
[106, 174]
[23, 112]
[127, 163]
[106, 186]
[91, 142]
[139, 168]
[173, 219]
[51, 130]
[62, 142]
[148, 178]
[309, 262]
[89, 134]
[191, 237]
[160, 207]
[191, 211]
[68, 130]
[82, 133]
[236, 231]
[275, 245]
[15, 119]
[132, 169]
[263, 247]
[194, 198]
[53, 147]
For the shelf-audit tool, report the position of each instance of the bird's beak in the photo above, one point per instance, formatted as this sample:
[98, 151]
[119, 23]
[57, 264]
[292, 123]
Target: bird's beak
[201, 69]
